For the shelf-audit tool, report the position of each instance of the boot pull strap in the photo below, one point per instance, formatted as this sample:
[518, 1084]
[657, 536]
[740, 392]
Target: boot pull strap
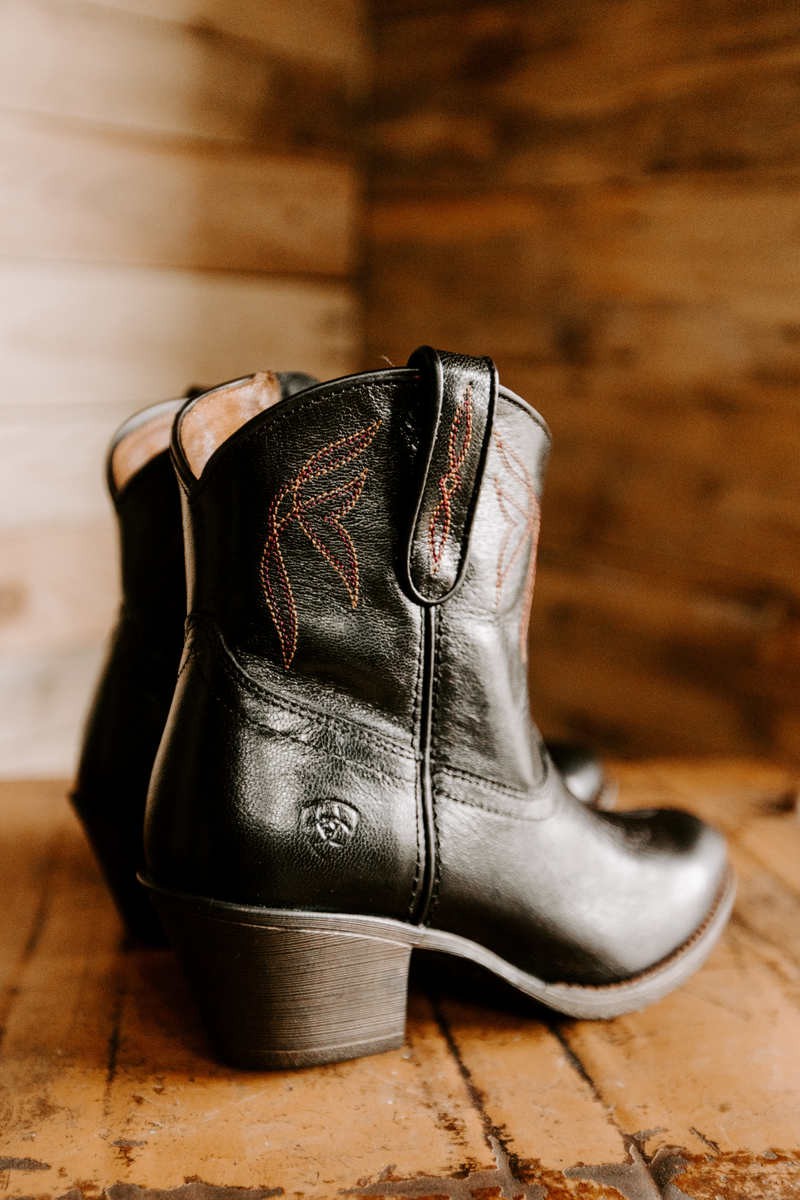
[453, 453]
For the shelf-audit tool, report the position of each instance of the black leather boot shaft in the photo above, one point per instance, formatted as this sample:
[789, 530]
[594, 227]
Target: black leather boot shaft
[303, 667]
[133, 695]
[350, 731]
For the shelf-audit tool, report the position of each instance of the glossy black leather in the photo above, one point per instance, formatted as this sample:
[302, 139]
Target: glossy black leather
[339, 742]
[134, 692]
[456, 431]
[133, 695]
[581, 771]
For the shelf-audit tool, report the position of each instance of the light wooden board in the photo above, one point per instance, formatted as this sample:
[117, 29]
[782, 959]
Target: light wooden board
[100, 64]
[67, 192]
[327, 29]
[57, 585]
[44, 697]
[598, 639]
[107, 1086]
[76, 333]
[53, 471]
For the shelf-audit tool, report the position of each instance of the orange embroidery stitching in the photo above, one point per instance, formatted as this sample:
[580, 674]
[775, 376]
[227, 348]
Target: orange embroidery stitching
[450, 482]
[522, 524]
[320, 518]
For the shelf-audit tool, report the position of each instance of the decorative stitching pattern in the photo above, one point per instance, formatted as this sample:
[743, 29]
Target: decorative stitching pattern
[451, 481]
[523, 518]
[320, 518]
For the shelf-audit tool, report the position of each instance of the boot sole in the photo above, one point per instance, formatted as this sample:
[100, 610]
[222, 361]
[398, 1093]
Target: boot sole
[281, 988]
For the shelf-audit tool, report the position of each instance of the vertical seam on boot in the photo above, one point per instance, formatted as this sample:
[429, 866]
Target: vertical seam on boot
[435, 690]
[418, 799]
[426, 731]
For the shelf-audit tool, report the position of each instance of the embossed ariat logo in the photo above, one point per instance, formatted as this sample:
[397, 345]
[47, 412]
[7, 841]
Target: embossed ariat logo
[457, 448]
[329, 822]
[519, 505]
[320, 517]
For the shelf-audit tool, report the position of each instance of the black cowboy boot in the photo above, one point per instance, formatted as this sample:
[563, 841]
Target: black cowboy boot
[135, 689]
[349, 768]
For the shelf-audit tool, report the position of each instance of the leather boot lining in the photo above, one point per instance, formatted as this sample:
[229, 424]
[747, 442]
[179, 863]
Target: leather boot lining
[213, 418]
[139, 446]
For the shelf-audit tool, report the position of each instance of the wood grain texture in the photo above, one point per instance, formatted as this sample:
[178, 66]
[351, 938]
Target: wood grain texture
[59, 592]
[80, 334]
[322, 29]
[603, 198]
[44, 698]
[178, 202]
[67, 192]
[111, 68]
[57, 585]
[107, 1086]
[478, 94]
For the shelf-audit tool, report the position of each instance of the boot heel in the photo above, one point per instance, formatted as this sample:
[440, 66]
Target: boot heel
[282, 989]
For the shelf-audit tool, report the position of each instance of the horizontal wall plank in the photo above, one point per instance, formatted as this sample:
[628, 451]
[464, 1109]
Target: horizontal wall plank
[522, 94]
[52, 470]
[44, 697]
[58, 586]
[100, 64]
[72, 333]
[593, 697]
[634, 660]
[327, 29]
[66, 193]
[550, 255]
[84, 347]
[697, 240]
[592, 49]
[454, 151]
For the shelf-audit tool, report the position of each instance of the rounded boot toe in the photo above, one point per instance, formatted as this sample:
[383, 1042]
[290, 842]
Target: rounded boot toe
[683, 867]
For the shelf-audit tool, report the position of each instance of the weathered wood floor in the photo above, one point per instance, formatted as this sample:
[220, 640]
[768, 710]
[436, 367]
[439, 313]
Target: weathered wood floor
[106, 1084]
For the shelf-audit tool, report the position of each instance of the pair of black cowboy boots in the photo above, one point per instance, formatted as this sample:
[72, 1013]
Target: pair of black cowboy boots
[347, 767]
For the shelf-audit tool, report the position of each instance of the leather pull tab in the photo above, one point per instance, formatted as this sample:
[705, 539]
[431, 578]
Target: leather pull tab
[462, 397]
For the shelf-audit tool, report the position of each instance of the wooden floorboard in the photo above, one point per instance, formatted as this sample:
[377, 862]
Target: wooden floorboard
[107, 1087]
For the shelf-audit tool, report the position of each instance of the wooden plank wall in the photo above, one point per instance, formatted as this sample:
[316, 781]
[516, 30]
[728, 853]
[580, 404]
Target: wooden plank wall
[178, 197]
[604, 195]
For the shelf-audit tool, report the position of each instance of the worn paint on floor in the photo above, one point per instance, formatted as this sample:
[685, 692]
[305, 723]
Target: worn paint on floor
[107, 1087]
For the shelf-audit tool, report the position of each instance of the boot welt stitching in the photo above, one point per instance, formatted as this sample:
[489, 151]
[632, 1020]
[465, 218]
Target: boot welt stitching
[387, 776]
[492, 785]
[499, 812]
[429, 937]
[225, 659]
